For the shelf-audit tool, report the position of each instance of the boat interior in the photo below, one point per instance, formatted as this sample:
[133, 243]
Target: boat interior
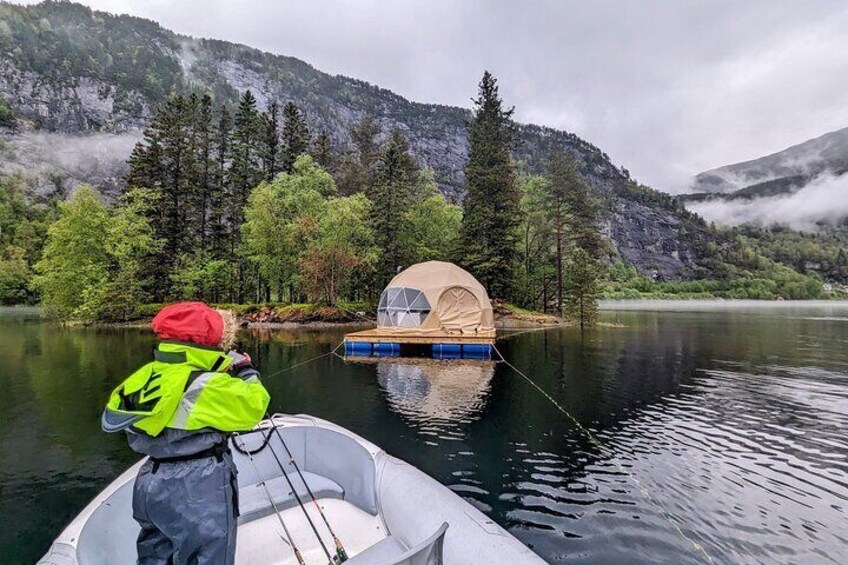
[342, 473]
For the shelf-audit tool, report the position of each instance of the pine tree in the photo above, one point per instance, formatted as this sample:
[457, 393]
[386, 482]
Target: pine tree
[295, 141]
[244, 175]
[364, 136]
[164, 162]
[563, 183]
[583, 216]
[397, 175]
[270, 141]
[220, 186]
[489, 234]
[580, 286]
[537, 244]
[322, 151]
[203, 131]
[354, 172]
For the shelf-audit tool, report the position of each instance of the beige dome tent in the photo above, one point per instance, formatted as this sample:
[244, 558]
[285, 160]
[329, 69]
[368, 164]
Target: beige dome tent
[435, 297]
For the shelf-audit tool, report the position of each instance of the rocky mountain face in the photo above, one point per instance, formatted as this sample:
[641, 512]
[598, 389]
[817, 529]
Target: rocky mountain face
[81, 85]
[802, 186]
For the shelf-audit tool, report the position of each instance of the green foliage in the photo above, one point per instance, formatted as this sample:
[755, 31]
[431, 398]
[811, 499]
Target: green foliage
[398, 185]
[74, 261]
[343, 245]
[322, 151]
[281, 219]
[355, 171]
[429, 230]
[822, 254]
[769, 282]
[573, 215]
[15, 277]
[199, 278]
[132, 248]
[558, 233]
[536, 245]
[581, 288]
[95, 262]
[23, 228]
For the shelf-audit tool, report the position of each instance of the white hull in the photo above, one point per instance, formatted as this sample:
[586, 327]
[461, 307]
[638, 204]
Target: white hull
[384, 510]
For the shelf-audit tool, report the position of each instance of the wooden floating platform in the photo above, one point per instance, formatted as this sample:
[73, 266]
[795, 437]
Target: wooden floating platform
[376, 335]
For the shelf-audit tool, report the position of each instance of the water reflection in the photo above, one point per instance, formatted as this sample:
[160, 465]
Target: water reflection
[434, 391]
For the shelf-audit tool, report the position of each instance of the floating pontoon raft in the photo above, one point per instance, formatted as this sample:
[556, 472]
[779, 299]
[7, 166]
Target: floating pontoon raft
[433, 308]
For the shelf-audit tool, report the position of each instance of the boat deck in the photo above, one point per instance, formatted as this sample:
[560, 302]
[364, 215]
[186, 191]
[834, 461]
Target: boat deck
[262, 541]
[379, 335]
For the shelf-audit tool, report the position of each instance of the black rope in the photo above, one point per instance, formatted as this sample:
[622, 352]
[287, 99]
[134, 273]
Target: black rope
[245, 451]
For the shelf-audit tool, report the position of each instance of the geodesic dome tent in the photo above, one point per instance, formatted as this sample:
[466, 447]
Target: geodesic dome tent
[435, 296]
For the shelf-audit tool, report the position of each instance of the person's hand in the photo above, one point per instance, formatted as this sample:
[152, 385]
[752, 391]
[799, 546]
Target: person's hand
[240, 359]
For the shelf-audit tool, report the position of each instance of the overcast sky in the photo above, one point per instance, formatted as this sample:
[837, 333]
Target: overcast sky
[666, 88]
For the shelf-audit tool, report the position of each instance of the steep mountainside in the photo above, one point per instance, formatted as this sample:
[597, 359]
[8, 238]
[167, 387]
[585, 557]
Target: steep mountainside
[82, 84]
[803, 186]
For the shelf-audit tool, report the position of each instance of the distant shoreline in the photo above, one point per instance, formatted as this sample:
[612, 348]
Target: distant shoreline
[693, 304]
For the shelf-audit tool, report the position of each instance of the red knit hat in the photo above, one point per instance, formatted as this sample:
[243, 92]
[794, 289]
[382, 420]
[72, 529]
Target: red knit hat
[189, 321]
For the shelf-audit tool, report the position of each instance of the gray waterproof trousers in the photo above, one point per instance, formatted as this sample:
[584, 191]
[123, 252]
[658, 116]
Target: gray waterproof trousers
[187, 511]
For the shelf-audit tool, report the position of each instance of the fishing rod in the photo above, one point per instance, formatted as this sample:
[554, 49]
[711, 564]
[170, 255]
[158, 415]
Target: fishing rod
[299, 501]
[341, 554]
[290, 541]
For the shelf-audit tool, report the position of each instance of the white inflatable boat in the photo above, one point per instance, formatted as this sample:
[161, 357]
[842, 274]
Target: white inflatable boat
[383, 510]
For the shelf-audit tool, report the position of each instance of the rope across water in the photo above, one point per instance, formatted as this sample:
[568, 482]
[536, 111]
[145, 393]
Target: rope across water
[612, 456]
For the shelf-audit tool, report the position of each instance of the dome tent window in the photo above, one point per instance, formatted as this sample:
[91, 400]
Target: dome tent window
[402, 307]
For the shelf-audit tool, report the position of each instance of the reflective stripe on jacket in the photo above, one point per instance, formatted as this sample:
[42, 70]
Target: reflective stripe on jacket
[186, 388]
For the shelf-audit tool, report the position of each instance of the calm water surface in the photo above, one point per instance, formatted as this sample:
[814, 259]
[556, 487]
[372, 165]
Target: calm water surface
[722, 425]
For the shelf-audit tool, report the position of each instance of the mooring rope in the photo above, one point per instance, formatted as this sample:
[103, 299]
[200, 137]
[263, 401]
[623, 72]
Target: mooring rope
[302, 363]
[612, 456]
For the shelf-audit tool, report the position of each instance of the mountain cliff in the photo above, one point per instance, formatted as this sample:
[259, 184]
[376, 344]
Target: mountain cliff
[80, 85]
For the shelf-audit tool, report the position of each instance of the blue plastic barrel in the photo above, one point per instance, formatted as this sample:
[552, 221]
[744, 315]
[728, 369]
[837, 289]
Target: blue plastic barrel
[387, 349]
[447, 351]
[357, 348]
[477, 351]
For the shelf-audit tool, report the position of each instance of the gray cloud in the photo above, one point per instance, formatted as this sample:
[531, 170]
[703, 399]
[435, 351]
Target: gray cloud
[667, 88]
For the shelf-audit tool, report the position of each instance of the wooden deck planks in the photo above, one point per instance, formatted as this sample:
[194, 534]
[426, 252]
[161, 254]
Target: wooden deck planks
[376, 335]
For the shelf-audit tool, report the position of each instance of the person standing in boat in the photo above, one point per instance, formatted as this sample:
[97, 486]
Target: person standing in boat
[179, 410]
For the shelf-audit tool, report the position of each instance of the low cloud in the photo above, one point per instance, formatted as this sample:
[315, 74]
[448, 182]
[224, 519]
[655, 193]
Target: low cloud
[43, 158]
[824, 200]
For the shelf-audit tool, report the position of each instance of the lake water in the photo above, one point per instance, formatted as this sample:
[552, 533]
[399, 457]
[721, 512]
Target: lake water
[722, 425]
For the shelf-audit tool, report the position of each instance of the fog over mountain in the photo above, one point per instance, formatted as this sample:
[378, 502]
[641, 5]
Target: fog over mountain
[804, 186]
[823, 201]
